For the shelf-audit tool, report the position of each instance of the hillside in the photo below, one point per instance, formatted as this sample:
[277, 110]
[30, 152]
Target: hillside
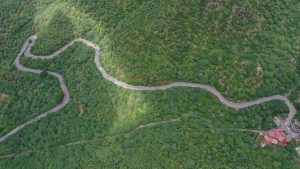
[246, 50]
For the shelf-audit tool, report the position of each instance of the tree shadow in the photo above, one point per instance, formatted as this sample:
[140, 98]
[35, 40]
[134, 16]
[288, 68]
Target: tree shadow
[26, 92]
[109, 109]
[54, 34]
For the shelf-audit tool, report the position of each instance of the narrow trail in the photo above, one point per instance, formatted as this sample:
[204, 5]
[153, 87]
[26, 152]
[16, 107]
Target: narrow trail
[26, 50]
[149, 125]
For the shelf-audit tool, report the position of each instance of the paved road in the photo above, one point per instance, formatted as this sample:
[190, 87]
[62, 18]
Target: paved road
[56, 108]
[26, 50]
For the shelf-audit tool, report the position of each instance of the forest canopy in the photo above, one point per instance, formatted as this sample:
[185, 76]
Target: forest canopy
[246, 49]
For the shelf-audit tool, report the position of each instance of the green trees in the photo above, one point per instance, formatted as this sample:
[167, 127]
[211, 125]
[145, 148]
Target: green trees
[246, 50]
[58, 32]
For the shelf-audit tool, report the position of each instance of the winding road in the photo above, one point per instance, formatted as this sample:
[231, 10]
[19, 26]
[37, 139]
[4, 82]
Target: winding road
[26, 50]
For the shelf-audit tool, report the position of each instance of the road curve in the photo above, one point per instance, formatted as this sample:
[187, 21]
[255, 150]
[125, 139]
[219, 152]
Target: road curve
[63, 86]
[26, 50]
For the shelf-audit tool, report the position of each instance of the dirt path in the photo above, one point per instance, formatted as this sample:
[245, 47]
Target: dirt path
[27, 52]
[96, 139]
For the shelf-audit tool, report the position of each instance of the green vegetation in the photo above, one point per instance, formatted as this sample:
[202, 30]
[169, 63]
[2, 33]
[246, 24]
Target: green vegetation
[22, 95]
[245, 49]
[62, 32]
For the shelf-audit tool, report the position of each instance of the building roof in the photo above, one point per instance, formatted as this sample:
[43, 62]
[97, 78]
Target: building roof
[275, 136]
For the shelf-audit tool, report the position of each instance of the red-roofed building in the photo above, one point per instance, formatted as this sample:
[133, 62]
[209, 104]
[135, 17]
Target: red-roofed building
[275, 136]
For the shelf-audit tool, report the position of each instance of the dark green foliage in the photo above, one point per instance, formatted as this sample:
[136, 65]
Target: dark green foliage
[247, 49]
[22, 95]
[62, 32]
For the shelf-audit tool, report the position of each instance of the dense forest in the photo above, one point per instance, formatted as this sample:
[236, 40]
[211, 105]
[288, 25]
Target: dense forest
[246, 49]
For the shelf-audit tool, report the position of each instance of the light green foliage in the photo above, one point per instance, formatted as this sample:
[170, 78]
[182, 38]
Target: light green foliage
[62, 30]
[246, 49]
[26, 95]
